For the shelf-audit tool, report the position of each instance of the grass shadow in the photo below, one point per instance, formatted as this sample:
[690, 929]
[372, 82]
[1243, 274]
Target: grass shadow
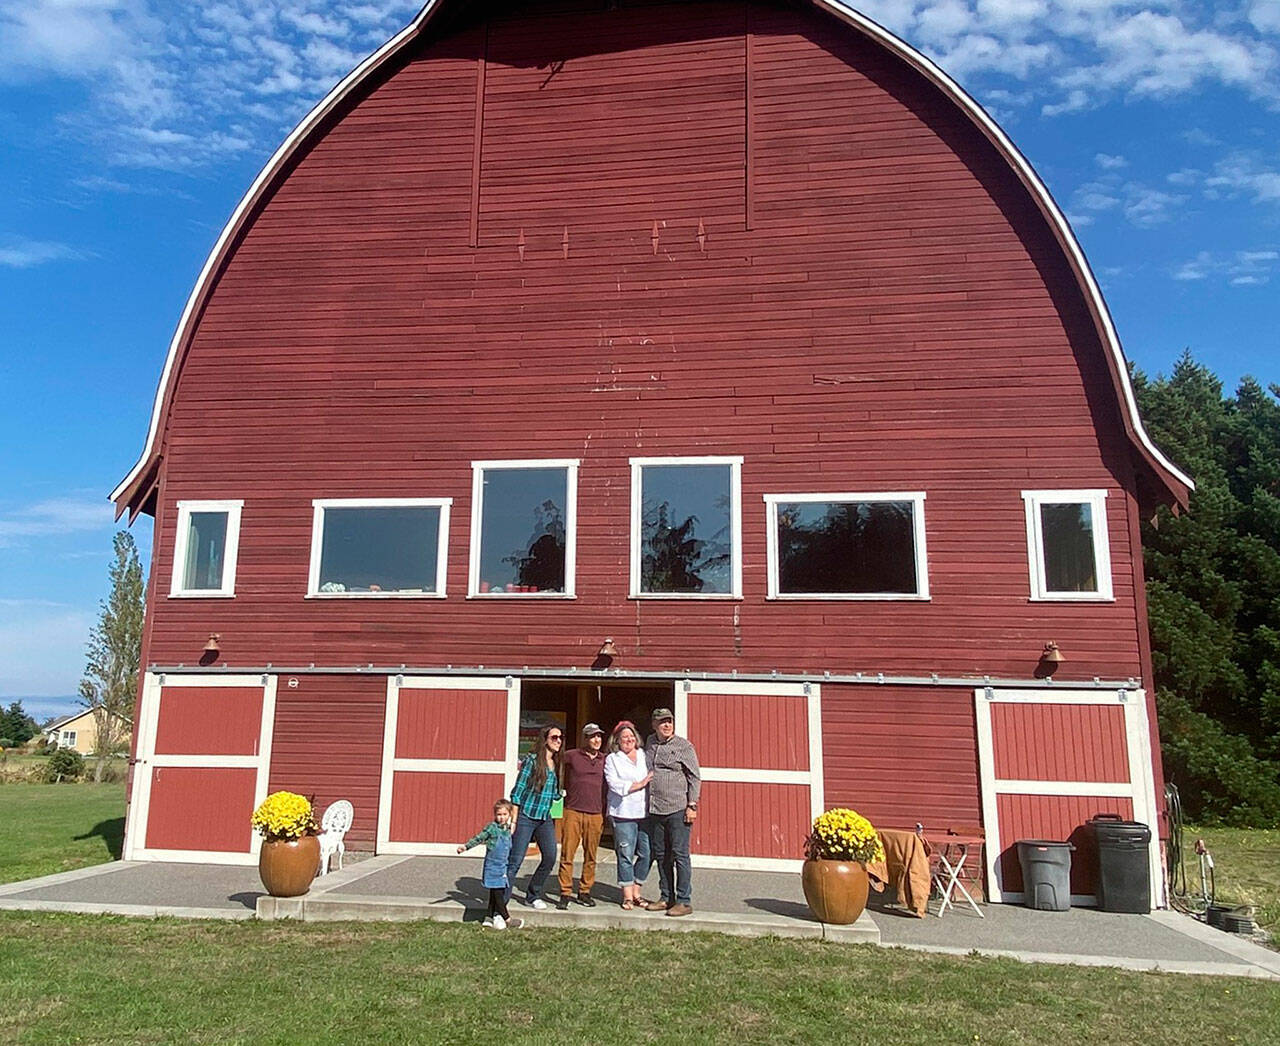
[111, 832]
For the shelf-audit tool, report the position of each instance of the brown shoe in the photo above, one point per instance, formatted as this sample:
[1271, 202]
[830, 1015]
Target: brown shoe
[680, 909]
[656, 906]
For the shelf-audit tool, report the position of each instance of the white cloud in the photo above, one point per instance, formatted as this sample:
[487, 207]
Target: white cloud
[1140, 204]
[54, 516]
[1110, 163]
[25, 254]
[1265, 15]
[1246, 174]
[178, 86]
[1252, 268]
[1146, 207]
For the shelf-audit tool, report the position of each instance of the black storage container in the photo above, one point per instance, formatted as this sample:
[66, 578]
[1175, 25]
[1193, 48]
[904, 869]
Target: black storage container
[1046, 874]
[1124, 866]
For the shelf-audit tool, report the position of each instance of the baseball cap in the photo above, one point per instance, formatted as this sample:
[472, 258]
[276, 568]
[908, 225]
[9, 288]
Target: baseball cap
[660, 714]
[591, 729]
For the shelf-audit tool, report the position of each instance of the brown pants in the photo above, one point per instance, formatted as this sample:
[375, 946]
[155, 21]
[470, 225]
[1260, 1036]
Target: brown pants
[584, 829]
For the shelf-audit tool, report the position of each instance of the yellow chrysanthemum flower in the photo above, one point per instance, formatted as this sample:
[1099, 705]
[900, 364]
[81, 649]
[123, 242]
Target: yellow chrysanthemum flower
[285, 815]
[843, 835]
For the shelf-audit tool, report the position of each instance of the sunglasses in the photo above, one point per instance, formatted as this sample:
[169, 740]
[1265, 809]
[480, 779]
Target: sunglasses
[555, 737]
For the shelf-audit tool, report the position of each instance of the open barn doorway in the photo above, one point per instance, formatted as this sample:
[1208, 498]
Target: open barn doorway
[572, 704]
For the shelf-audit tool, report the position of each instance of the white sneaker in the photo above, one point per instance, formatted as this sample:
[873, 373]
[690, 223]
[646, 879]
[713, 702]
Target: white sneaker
[487, 923]
[539, 904]
[499, 923]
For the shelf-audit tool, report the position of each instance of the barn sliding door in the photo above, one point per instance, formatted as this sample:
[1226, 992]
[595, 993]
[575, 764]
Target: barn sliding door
[203, 752]
[760, 750]
[1049, 761]
[448, 753]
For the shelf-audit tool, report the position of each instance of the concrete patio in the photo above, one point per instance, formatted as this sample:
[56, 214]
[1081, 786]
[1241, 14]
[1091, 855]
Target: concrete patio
[390, 888]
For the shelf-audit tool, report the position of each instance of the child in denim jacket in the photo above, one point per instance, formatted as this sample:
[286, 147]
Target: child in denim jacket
[496, 836]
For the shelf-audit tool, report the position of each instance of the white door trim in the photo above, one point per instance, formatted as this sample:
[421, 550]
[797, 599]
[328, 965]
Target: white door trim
[1140, 789]
[390, 764]
[135, 848]
[813, 777]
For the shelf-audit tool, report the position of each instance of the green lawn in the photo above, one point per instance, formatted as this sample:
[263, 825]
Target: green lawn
[103, 979]
[1246, 869]
[54, 828]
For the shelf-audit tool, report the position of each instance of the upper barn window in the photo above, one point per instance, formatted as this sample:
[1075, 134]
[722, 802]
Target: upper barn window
[375, 547]
[686, 527]
[524, 520]
[1067, 544]
[847, 546]
[204, 554]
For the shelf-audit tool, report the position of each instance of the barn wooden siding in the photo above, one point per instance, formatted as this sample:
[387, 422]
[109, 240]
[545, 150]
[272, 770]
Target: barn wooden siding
[902, 755]
[876, 305]
[327, 743]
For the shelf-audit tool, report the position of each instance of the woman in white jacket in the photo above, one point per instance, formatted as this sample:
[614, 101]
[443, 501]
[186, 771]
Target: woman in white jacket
[626, 772]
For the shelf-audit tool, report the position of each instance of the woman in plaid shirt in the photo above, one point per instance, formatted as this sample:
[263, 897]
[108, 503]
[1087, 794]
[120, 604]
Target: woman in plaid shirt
[537, 787]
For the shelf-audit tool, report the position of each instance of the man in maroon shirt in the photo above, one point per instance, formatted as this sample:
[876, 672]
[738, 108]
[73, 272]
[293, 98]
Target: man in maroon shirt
[582, 774]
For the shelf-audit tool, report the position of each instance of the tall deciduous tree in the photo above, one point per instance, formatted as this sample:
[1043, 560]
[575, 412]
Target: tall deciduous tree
[115, 646]
[1213, 586]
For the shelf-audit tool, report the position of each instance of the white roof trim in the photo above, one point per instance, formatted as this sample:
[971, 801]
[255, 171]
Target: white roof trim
[837, 7]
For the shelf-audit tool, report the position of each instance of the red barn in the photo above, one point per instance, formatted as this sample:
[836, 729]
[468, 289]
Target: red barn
[576, 357]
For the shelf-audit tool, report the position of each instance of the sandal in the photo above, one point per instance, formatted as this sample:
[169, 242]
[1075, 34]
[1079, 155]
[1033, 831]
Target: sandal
[627, 905]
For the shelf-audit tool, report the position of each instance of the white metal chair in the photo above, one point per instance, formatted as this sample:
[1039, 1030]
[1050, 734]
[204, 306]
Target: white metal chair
[333, 829]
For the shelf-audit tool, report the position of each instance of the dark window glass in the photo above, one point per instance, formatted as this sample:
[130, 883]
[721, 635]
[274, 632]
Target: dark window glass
[382, 549]
[523, 530]
[1069, 562]
[847, 548]
[686, 527]
[206, 550]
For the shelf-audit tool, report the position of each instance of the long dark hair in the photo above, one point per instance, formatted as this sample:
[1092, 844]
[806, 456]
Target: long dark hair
[539, 779]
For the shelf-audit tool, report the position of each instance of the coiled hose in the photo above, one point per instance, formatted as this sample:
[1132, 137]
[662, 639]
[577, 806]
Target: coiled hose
[1180, 896]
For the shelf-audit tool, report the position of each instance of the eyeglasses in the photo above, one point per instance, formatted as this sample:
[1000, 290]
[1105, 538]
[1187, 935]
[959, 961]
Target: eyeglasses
[555, 737]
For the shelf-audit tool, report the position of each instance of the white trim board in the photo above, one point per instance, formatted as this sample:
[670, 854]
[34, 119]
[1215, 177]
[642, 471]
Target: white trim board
[919, 545]
[1140, 790]
[811, 693]
[507, 766]
[230, 549]
[135, 848]
[320, 505]
[734, 464]
[1033, 502]
[476, 537]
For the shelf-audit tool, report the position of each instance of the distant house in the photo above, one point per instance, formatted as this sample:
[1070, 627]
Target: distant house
[78, 731]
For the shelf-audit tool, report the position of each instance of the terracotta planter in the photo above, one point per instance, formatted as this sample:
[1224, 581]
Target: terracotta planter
[836, 890]
[287, 868]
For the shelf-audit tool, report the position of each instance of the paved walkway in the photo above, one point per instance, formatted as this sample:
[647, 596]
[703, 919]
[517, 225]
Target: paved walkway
[744, 903]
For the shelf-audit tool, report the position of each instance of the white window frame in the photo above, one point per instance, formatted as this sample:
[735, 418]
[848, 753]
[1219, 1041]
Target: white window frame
[916, 498]
[68, 739]
[1097, 500]
[318, 507]
[230, 552]
[478, 468]
[734, 462]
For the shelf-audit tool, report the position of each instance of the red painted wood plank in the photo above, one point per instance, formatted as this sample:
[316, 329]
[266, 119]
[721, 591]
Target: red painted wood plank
[211, 720]
[201, 808]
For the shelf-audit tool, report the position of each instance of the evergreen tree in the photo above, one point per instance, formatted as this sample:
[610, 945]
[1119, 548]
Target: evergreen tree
[115, 647]
[15, 725]
[1213, 589]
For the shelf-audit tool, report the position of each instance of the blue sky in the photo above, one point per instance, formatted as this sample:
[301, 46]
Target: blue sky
[130, 128]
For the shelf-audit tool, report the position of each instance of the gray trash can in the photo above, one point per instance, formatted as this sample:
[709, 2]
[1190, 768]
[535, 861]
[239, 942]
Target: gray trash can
[1124, 871]
[1046, 874]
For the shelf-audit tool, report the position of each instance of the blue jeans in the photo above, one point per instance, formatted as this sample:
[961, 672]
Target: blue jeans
[542, 832]
[631, 844]
[670, 847]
